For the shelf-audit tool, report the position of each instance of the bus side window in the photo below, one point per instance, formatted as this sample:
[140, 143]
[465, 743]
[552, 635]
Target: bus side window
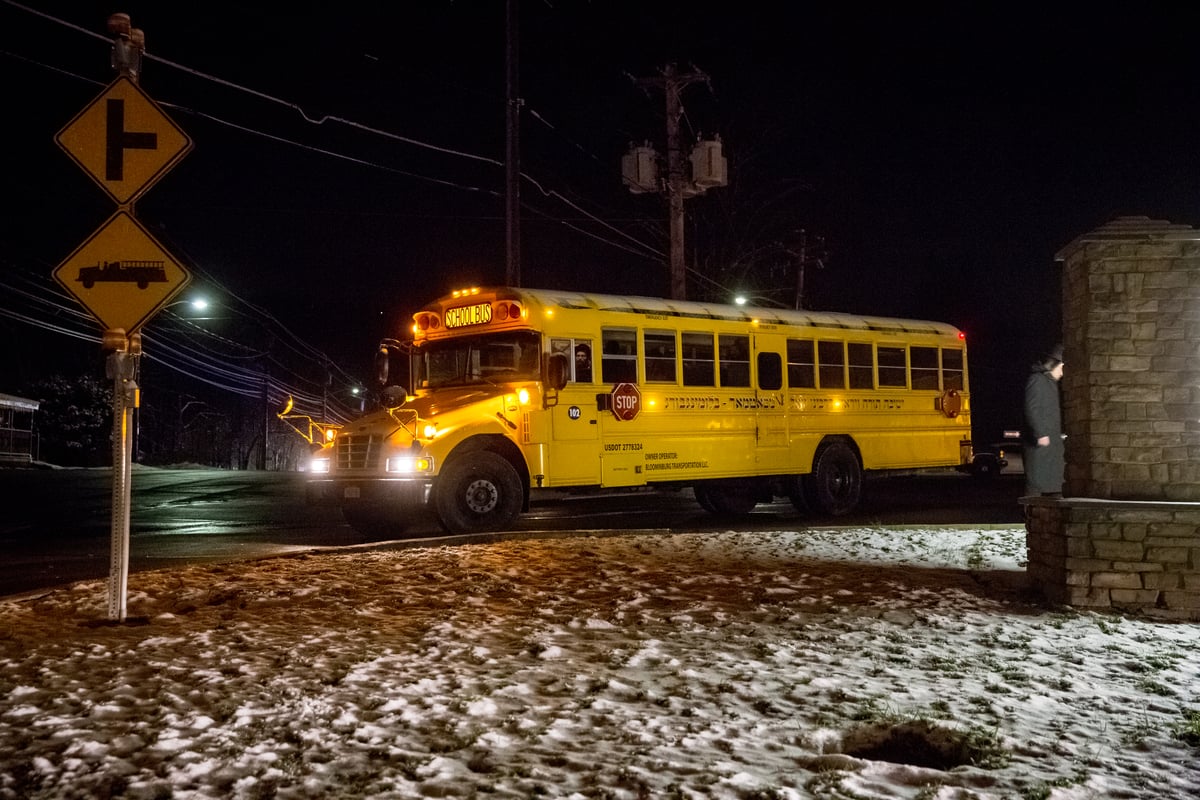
[801, 366]
[893, 371]
[698, 361]
[952, 369]
[618, 362]
[924, 361]
[733, 354]
[660, 356]
[862, 366]
[831, 364]
[770, 371]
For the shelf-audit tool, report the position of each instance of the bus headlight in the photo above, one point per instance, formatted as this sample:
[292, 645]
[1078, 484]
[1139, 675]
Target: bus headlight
[409, 465]
[319, 466]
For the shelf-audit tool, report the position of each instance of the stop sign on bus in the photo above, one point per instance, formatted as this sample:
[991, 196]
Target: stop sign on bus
[626, 401]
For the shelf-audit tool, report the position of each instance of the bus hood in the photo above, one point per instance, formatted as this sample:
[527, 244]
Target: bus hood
[446, 400]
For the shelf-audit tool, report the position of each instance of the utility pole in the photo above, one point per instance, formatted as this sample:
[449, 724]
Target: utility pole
[803, 257]
[672, 85]
[707, 162]
[800, 270]
[512, 163]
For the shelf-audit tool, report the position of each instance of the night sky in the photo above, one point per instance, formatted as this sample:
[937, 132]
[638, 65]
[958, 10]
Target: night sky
[943, 152]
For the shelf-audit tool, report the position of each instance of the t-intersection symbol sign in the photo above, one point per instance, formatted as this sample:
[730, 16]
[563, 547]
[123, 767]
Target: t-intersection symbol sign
[124, 141]
[626, 401]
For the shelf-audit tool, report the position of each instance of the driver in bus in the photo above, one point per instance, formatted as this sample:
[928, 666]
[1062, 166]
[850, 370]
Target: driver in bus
[583, 363]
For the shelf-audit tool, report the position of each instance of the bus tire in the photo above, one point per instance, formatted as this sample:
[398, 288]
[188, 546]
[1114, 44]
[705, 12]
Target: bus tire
[478, 491]
[835, 485]
[374, 520]
[704, 498]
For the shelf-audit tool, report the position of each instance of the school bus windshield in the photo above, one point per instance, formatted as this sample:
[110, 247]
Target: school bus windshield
[490, 359]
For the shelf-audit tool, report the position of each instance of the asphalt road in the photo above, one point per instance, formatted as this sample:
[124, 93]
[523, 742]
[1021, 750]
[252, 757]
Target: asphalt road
[57, 523]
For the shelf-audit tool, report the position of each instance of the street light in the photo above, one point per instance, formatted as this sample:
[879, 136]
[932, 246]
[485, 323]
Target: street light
[756, 299]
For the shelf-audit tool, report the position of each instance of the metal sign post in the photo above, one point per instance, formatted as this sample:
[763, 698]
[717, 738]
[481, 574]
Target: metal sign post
[120, 274]
[122, 369]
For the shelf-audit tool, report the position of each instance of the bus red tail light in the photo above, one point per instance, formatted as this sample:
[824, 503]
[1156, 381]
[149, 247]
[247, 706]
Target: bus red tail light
[508, 310]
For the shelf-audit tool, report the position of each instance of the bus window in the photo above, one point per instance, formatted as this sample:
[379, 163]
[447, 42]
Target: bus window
[578, 353]
[924, 367]
[801, 364]
[831, 364]
[893, 371]
[698, 359]
[618, 362]
[660, 356]
[734, 360]
[952, 369]
[770, 371]
[862, 368]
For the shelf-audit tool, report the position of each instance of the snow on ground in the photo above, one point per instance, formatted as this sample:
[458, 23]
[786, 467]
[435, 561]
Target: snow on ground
[847, 663]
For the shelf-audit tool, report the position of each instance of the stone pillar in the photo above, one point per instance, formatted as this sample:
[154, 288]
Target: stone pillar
[1126, 534]
[1131, 390]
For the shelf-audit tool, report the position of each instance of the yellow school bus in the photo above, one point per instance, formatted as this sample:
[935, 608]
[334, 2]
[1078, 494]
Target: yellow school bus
[514, 390]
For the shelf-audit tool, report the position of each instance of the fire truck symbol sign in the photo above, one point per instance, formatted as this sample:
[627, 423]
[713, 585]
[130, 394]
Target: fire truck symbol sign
[143, 273]
[121, 274]
[626, 401]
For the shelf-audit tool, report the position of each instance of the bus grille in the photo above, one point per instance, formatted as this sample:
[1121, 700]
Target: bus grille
[357, 452]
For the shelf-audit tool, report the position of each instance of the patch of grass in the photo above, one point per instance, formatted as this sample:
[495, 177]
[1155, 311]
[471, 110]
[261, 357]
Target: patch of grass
[1151, 686]
[1015, 676]
[1041, 791]
[941, 709]
[1188, 731]
[985, 749]
[829, 785]
[975, 559]
[1135, 735]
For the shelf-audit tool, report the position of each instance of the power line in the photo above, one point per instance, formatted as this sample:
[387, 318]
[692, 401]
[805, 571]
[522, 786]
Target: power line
[647, 250]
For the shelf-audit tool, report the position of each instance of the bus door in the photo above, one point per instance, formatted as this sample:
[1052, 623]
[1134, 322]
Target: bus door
[574, 454]
[621, 453]
[772, 410]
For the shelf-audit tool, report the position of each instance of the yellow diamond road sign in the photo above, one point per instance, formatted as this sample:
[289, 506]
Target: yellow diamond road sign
[124, 140]
[121, 274]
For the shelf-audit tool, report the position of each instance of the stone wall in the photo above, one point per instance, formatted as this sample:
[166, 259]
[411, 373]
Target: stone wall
[1127, 556]
[1131, 391]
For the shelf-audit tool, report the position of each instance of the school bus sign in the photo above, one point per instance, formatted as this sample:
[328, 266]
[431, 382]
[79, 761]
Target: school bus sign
[626, 401]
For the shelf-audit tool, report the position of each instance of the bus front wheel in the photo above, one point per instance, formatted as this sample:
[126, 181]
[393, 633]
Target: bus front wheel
[477, 492]
[835, 485]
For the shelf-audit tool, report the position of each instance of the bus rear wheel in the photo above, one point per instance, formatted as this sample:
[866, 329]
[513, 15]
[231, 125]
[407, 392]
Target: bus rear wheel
[477, 492]
[835, 485]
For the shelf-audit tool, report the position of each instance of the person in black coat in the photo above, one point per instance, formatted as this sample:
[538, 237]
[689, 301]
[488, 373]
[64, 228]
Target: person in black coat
[1044, 460]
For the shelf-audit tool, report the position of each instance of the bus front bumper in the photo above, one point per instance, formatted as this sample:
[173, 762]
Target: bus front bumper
[345, 491]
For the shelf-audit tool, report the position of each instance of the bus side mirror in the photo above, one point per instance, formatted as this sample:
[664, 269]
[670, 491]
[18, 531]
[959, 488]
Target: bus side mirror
[381, 365]
[558, 369]
[394, 396]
